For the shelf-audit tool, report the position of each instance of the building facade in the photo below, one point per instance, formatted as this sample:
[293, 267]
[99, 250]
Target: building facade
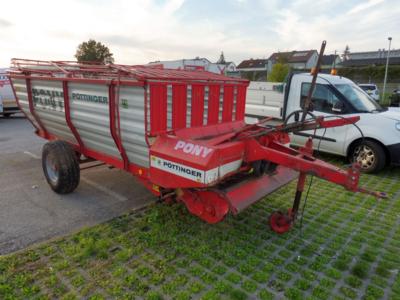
[199, 64]
[305, 59]
[371, 58]
[253, 69]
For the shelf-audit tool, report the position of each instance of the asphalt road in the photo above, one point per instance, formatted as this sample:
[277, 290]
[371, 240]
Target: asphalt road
[31, 212]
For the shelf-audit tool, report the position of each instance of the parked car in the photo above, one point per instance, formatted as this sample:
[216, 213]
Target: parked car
[371, 89]
[395, 98]
[8, 104]
[336, 96]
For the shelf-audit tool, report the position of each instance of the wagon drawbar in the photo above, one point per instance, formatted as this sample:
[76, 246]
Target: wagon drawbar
[181, 133]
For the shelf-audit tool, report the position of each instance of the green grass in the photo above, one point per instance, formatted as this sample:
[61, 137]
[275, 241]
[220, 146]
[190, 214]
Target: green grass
[348, 245]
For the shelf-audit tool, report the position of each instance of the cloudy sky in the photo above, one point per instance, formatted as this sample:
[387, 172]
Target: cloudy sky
[147, 30]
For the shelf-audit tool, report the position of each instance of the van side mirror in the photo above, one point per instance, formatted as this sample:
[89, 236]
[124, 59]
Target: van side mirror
[338, 107]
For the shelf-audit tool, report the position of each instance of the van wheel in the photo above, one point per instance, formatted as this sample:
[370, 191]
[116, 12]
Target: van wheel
[60, 166]
[7, 115]
[370, 155]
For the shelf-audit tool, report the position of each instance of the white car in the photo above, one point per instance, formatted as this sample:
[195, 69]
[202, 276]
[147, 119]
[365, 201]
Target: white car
[334, 96]
[371, 89]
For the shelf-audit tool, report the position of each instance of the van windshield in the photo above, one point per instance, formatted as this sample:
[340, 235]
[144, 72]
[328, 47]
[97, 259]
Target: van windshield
[368, 87]
[358, 98]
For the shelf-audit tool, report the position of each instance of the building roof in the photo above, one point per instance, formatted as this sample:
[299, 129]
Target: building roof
[293, 56]
[227, 63]
[370, 61]
[253, 64]
[329, 59]
[179, 60]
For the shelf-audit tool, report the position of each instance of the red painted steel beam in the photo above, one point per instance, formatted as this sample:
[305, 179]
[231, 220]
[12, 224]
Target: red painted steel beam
[303, 163]
[158, 108]
[179, 106]
[197, 110]
[113, 128]
[67, 110]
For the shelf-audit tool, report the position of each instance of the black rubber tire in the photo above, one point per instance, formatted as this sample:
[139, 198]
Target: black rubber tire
[259, 167]
[67, 165]
[378, 152]
[7, 115]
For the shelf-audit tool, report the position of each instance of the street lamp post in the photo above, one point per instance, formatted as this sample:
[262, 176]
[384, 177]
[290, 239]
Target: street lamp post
[386, 69]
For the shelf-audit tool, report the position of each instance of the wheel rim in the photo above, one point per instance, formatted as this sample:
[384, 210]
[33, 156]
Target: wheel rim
[280, 222]
[51, 169]
[364, 156]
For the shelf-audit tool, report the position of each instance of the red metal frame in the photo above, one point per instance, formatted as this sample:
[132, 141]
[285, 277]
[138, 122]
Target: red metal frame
[85, 80]
[158, 108]
[179, 106]
[197, 112]
[113, 130]
[227, 106]
[214, 91]
[240, 102]
[75, 70]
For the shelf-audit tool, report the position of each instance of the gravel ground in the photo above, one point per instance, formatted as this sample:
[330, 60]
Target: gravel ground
[31, 212]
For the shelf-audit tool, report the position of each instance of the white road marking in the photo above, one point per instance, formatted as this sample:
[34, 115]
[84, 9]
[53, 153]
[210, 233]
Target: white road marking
[32, 155]
[105, 190]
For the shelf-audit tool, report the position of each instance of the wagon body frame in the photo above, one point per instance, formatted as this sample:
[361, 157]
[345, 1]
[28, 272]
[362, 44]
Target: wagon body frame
[199, 149]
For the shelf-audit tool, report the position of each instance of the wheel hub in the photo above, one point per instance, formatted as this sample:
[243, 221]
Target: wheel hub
[281, 222]
[364, 156]
[51, 169]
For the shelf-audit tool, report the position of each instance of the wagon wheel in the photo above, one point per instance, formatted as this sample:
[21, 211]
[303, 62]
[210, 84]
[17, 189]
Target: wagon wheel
[281, 222]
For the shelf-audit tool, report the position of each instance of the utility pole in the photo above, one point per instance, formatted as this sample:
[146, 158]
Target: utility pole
[386, 70]
[334, 60]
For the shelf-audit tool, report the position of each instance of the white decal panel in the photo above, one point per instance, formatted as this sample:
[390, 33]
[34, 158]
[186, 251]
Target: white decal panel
[193, 149]
[194, 174]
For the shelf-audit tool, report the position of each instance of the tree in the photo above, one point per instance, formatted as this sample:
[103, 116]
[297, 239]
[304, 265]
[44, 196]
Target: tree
[283, 57]
[92, 51]
[278, 73]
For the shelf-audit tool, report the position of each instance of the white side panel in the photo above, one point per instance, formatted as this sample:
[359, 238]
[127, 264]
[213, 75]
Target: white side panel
[90, 115]
[131, 110]
[22, 95]
[48, 100]
[264, 99]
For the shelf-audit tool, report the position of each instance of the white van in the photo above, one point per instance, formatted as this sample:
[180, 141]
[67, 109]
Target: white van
[337, 96]
[8, 104]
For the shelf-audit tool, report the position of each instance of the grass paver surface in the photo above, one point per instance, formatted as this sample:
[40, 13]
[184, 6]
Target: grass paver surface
[347, 248]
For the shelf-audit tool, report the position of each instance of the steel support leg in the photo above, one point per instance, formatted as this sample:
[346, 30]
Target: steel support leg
[299, 191]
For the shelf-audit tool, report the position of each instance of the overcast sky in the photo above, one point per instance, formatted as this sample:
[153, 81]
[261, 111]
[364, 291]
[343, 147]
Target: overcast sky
[147, 30]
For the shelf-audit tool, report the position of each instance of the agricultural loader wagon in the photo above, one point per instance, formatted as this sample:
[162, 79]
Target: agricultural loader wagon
[181, 133]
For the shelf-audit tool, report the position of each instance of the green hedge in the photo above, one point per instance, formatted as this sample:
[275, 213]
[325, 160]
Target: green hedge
[371, 73]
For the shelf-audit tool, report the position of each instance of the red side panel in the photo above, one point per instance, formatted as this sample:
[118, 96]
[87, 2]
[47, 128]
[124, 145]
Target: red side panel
[197, 105]
[213, 104]
[228, 104]
[179, 99]
[158, 108]
[240, 102]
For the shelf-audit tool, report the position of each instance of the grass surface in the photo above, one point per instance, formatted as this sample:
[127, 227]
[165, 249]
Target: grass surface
[347, 248]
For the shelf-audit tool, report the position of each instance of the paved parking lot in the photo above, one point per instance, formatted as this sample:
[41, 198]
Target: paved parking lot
[30, 212]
